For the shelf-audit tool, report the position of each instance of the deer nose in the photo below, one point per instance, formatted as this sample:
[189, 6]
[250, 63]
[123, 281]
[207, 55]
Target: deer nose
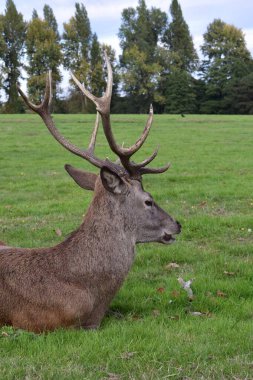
[178, 226]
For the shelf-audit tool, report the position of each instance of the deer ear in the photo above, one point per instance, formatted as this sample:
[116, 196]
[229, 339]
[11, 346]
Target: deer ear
[111, 181]
[84, 179]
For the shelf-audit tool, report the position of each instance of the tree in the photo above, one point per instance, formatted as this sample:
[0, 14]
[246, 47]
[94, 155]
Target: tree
[178, 40]
[76, 42]
[2, 49]
[43, 54]
[35, 14]
[179, 60]
[226, 59]
[76, 45]
[49, 17]
[12, 51]
[180, 93]
[97, 82]
[140, 31]
[238, 97]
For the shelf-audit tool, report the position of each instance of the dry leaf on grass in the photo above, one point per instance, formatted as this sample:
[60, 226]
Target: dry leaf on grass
[160, 290]
[229, 273]
[127, 355]
[203, 204]
[199, 314]
[172, 266]
[58, 232]
[113, 376]
[156, 313]
[175, 317]
[221, 294]
[175, 293]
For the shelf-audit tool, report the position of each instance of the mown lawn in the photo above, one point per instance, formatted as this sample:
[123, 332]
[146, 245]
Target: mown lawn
[152, 330]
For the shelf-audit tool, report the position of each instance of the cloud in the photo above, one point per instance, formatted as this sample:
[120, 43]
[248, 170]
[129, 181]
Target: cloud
[198, 41]
[249, 38]
[113, 41]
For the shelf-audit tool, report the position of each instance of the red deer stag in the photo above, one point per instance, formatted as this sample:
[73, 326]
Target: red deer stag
[73, 283]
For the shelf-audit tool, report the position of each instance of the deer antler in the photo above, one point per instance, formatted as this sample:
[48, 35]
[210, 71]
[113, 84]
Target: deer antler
[103, 107]
[43, 110]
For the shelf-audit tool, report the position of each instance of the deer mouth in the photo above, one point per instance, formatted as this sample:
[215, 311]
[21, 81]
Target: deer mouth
[167, 239]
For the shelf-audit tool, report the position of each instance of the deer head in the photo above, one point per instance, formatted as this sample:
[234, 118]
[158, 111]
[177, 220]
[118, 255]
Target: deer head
[120, 184]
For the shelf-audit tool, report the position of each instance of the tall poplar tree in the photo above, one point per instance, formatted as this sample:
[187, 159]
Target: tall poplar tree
[177, 84]
[49, 17]
[34, 14]
[140, 31]
[76, 44]
[96, 67]
[178, 40]
[43, 54]
[12, 52]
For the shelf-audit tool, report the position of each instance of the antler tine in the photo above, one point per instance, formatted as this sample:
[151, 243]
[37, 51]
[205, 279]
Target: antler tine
[47, 97]
[87, 93]
[136, 146]
[94, 135]
[108, 92]
[146, 161]
[154, 170]
[44, 111]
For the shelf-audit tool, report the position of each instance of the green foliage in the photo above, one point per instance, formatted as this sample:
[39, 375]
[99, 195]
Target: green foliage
[49, 17]
[178, 40]
[178, 59]
[180, 93]
[77, 38]
[155, 73]
[141, 27]
[43, 53]
[12, 41]
[96, 67]
[139, 34]
[76, 42]
[226, 60]
[84, 56]
[34, 14]
[141, 83]
[239, 95]
[150, 332]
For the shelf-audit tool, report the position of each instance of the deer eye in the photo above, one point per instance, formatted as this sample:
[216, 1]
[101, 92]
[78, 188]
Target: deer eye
[149, 203]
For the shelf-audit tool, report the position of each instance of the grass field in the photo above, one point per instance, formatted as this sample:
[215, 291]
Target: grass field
[152, 331]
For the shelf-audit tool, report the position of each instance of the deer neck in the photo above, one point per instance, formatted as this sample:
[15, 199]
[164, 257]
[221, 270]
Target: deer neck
[107, 219]
[105, 239]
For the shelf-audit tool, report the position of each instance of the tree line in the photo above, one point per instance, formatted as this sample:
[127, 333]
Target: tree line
[158, 64]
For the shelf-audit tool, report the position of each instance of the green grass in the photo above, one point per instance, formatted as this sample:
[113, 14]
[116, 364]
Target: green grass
[150, 332]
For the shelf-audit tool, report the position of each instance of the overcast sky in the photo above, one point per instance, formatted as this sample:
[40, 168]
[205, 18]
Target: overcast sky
[105, 15]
